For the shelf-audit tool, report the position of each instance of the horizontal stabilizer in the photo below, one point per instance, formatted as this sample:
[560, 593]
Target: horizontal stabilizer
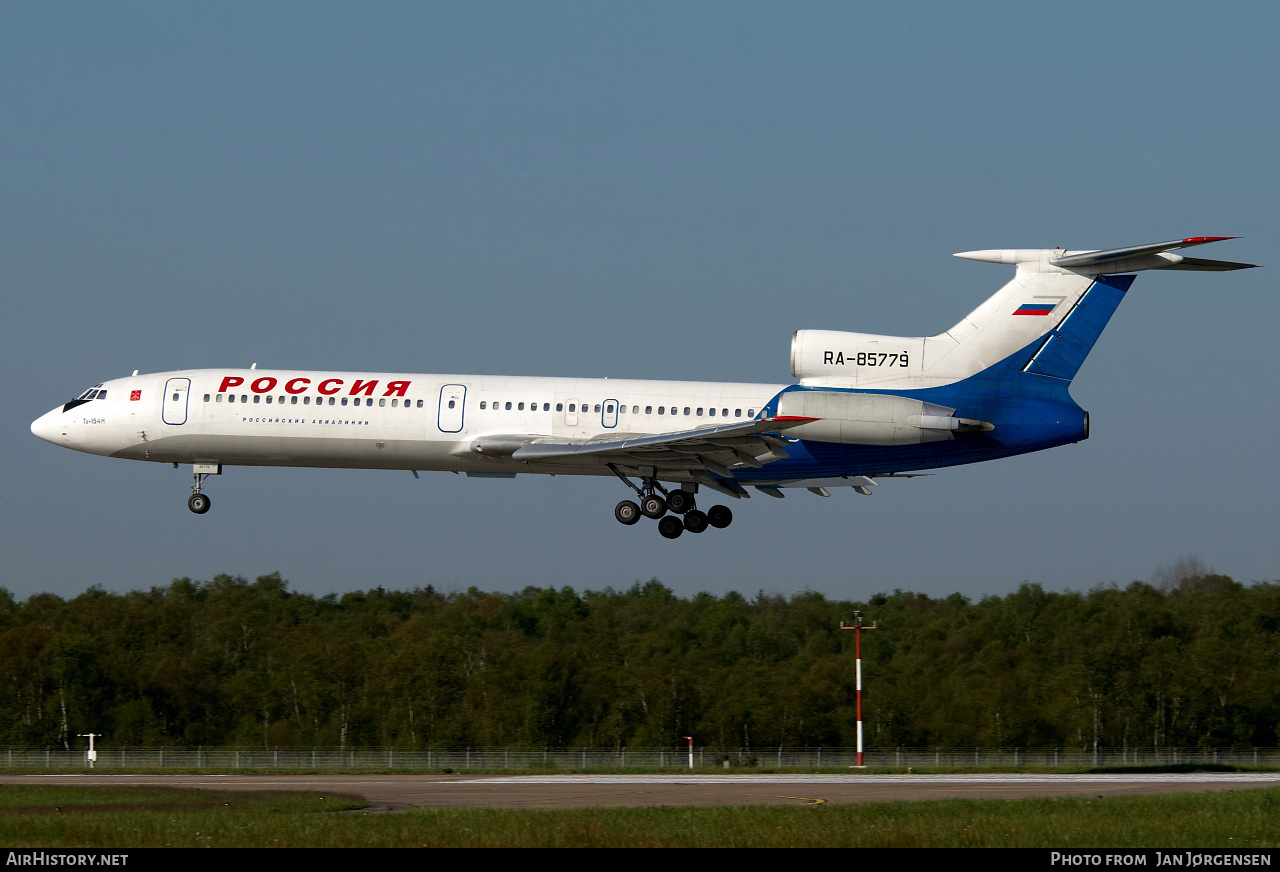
[1155, 256]
[1203, 265]
[1134, 258]
[1090, 258]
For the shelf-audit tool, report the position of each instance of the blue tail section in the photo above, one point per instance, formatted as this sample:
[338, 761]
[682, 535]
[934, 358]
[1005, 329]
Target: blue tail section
[1065, 348]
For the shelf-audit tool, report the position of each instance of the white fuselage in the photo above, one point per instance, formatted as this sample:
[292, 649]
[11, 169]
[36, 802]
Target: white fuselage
[378, 420]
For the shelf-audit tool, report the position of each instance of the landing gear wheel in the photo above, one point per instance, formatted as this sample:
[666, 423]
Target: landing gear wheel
[719, 517]
[626, 512]
[695, 521]
[671, 527]
[198, 503]
[653, 506]
[680, 501]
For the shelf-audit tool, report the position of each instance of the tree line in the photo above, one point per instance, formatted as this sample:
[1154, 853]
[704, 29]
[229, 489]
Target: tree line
[1193, 661]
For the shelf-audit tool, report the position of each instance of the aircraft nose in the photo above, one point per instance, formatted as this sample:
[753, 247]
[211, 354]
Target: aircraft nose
[49, 426]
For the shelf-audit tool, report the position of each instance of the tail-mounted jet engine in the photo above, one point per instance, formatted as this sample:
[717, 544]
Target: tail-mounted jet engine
[872, 419]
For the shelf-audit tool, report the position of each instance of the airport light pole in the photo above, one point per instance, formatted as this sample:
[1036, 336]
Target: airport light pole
[857, 628]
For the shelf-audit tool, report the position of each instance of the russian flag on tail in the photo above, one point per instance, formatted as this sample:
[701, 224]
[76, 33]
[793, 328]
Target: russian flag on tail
[1035, 309]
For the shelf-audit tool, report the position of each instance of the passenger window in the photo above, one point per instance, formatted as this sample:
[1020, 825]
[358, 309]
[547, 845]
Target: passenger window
[660, 409]
[206, 398]
[686, 410]
[609, 408]
[699, 411]
[381, 402]
[519, 406]
[546, 407]
[737, 413]
[218, 398]
[256, 398]
[751, 413]
[482, 404]
[597, 407]
[572, 407]
[452, 403]
[293, 401]
[175, 397]
[648, 410]
[268, 400]
[508, 407]
[711, 412]
[559, 407]
[419, 404]
[724, 412]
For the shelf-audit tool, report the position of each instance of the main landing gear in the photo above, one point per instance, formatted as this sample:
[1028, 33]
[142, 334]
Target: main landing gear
[653, 504]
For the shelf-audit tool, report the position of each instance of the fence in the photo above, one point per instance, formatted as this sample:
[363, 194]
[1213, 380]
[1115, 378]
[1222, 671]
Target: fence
[673, 758]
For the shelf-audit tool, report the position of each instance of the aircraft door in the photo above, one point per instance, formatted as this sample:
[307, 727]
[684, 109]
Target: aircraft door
[174, 410]
[450, 414]
[609, 414]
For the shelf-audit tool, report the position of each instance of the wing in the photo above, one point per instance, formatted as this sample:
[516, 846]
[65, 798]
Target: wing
[693, 455]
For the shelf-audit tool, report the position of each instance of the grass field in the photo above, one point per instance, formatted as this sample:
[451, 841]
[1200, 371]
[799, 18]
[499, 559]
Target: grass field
[112, 818]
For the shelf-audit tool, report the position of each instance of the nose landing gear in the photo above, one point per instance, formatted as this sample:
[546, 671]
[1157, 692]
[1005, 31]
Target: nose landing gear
[199, 502]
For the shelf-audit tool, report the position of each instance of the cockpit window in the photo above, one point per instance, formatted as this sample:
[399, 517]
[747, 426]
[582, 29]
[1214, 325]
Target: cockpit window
[93, 393]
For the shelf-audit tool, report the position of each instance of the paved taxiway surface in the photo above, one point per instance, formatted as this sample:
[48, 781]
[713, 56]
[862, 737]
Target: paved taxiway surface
[393, 792]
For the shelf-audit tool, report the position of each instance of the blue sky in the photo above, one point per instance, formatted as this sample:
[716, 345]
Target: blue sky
[631, 190]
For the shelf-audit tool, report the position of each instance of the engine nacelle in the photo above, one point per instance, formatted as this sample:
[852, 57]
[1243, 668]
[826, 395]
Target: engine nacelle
[834, 356]
[872, 419]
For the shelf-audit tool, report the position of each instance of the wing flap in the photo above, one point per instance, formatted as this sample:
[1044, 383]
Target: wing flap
[739, 439]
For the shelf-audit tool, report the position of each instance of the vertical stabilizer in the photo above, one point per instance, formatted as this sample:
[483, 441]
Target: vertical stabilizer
[1063, 298]
[1044, 321]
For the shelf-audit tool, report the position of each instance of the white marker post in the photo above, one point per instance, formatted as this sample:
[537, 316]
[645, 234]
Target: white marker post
[857, 628]
[90, 755]
[690, 739]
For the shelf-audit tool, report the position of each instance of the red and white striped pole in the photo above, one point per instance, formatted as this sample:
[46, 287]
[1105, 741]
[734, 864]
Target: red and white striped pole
[857, 628]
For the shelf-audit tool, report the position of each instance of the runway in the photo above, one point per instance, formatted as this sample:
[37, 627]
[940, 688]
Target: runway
[399, 792]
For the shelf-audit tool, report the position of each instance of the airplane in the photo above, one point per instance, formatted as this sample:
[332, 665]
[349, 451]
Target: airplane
[865, 407]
